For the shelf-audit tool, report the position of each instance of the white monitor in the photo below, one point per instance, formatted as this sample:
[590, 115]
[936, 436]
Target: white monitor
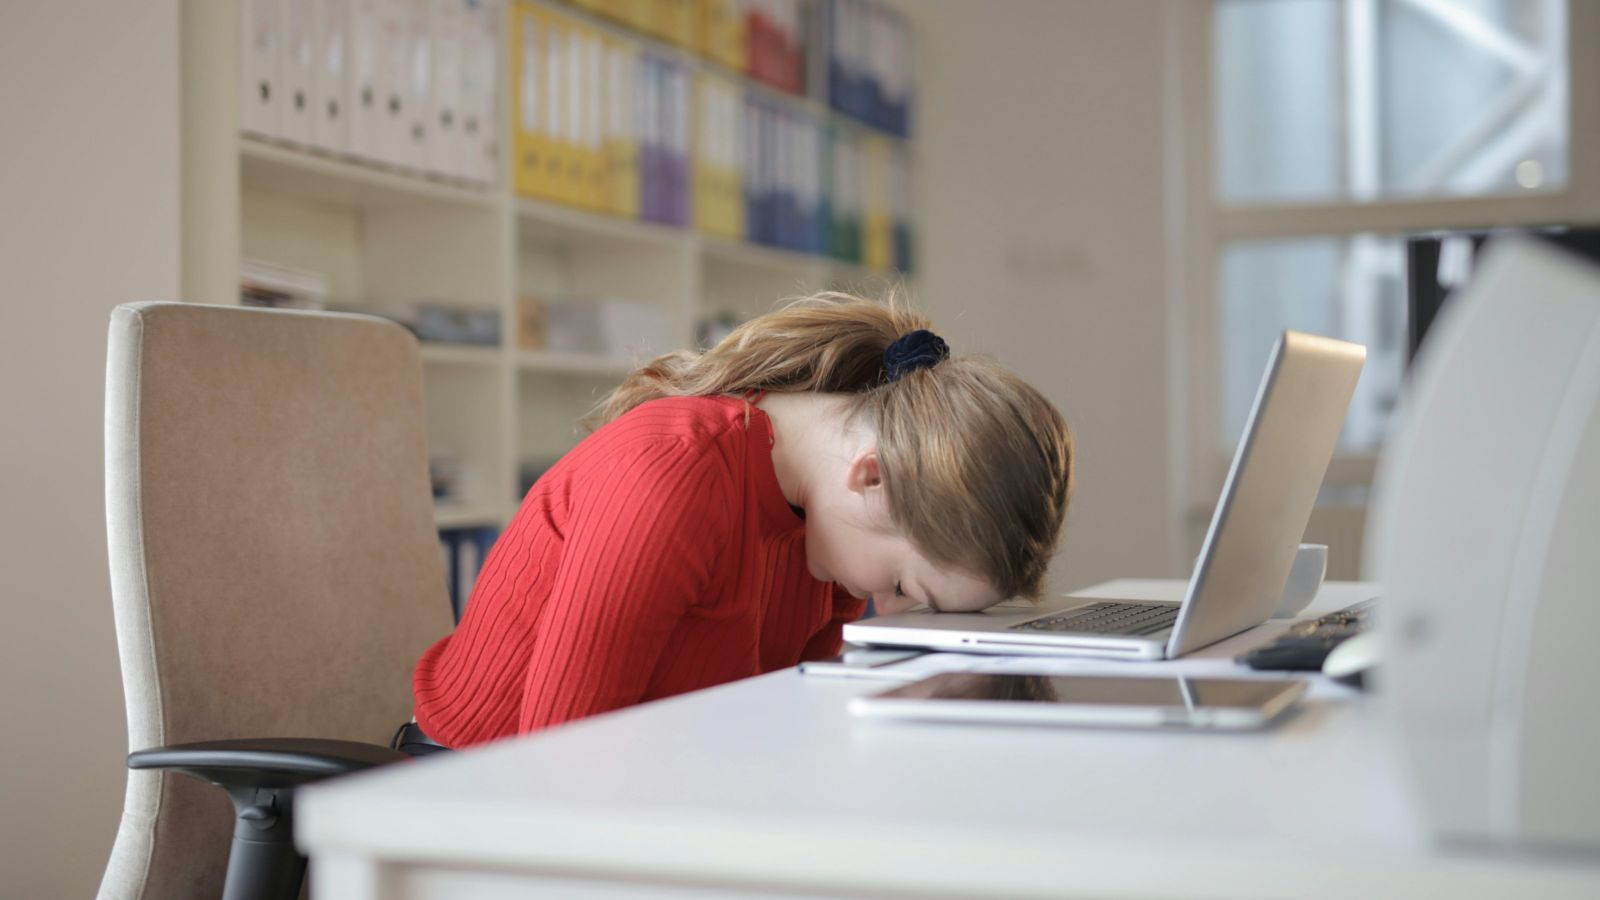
[1485, 534]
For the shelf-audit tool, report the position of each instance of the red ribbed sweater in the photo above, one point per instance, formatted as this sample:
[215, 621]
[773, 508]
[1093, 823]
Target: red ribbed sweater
[657, 557]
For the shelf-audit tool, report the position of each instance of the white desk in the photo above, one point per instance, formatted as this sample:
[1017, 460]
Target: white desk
[767, 787]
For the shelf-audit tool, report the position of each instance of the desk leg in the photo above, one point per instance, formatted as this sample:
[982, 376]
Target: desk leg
[348, 877]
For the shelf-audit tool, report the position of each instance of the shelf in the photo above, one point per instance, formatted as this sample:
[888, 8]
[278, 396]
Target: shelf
[385, 236]
[325, 179]
[811, 268]
[589, 365]
[723, 251]
[553, 223]
[556, 224]
[459, 514]
[459, 354]
[857, 274]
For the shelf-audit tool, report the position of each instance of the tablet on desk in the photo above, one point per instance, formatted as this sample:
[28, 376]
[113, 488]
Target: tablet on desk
[870, 663]
[1115, 701]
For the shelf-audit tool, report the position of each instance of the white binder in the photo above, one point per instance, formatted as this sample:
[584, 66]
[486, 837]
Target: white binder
[573, 104]
[783, 182]
[900, 67]
[259, 89]
[678, 146]
[330, 70]
[296, 69]
[393, 80]
[480, 54]
[754, 186]
[593, 118]
[417, 98]
[647, 131]
[810, 183]
[447, 153]
[364, 97]
[617, 123]
[555, 104]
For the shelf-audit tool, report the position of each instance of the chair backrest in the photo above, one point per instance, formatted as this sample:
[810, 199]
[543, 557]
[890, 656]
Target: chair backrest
[275, 567]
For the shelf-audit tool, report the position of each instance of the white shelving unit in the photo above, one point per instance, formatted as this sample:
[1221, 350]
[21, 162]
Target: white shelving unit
[385, 238]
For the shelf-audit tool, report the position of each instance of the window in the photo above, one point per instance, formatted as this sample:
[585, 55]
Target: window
[1310, 137]
[1349, 288]
[1319, 100]
[1350, 101]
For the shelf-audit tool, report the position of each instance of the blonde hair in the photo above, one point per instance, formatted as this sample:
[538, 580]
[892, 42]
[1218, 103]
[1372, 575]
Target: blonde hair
[977, 465]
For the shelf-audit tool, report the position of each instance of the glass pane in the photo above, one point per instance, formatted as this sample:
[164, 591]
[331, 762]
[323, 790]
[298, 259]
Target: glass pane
[1329, 100]
[1348, 288]
[1277, 114]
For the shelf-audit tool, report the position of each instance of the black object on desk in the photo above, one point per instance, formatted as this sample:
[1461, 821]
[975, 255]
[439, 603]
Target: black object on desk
[1305, 645]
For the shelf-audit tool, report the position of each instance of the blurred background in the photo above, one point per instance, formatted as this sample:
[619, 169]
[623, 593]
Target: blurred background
[1122, 200]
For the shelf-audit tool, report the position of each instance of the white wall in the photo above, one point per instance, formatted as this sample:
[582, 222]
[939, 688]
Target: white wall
[1039, 139]
[88, 219]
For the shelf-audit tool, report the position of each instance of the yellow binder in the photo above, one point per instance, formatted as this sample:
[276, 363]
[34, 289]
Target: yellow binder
[636, 14]
[704, 144]
[721, 32]
[877, 238]
[732, 138]
[621, 145]
[567, 82]
[675, 21]
[553, 183]
[531, 144]
[592, 192]
[718, 188]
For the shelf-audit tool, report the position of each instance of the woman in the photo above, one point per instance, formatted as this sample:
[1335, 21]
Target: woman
[737, 507]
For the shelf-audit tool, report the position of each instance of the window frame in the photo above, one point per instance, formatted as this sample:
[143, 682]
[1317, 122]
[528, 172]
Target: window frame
[1200, 225]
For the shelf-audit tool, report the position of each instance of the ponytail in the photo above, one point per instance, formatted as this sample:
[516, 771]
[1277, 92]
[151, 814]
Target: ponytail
[829, 342]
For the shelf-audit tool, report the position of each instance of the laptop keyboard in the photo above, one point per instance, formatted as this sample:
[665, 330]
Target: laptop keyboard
[1108, 618]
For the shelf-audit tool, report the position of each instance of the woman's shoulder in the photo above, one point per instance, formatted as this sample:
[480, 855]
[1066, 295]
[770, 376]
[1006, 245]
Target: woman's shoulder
[676, 444]
[694, 419]
[700, 431]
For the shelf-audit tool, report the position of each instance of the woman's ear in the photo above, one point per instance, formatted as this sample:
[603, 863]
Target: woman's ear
[863, 474]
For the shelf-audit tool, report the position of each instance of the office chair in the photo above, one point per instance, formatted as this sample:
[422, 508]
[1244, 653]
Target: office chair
[275, 574]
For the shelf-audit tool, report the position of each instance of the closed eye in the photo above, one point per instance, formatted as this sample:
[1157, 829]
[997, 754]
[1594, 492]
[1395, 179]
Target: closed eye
[898, 592]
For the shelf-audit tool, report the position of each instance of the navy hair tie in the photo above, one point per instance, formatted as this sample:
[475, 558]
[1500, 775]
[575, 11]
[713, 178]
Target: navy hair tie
[917, 350]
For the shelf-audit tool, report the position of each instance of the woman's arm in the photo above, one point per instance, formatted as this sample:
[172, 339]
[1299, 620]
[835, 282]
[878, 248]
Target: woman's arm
[642, 543]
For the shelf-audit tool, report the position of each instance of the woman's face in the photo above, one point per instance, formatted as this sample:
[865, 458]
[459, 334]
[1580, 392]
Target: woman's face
[851, 540]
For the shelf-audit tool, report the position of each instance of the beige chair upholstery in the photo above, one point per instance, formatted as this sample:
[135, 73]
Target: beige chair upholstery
[275, 568]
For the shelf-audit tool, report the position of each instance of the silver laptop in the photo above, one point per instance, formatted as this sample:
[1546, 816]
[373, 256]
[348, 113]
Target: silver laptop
[1249, 548]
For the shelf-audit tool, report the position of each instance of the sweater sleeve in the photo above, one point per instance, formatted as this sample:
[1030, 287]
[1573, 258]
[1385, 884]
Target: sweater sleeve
[830, 639]
[642, 542]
